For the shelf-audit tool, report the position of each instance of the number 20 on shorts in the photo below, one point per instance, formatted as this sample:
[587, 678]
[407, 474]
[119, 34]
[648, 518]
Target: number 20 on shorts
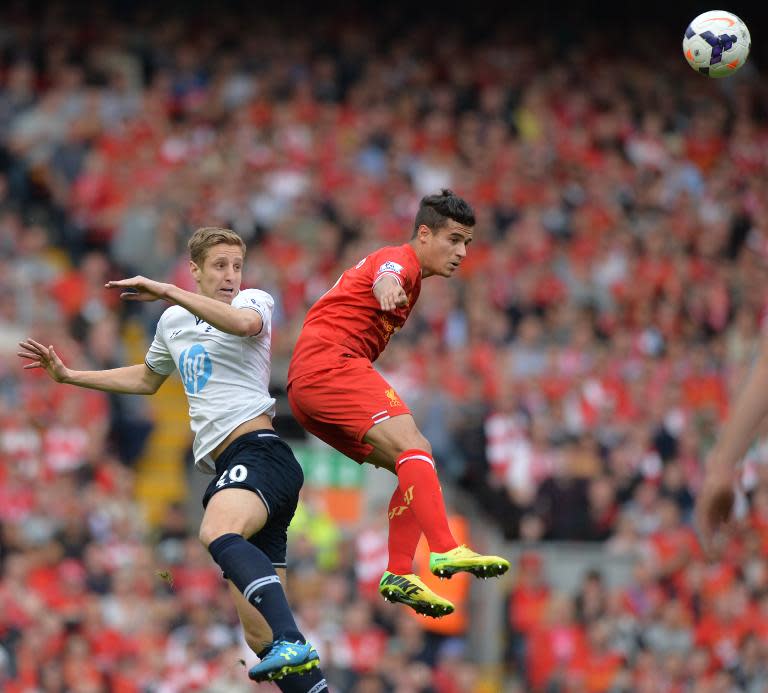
[234, 475]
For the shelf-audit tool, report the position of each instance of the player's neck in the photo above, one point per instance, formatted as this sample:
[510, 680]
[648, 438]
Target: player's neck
[424, 272]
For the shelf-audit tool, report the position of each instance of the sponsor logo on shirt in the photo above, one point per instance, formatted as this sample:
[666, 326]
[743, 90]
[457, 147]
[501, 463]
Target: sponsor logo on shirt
[195, 368]
[390, 266]
[388, 326]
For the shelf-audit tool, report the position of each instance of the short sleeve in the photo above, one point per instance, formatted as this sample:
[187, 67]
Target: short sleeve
[158, 358]
[395, 263]
[261, 302]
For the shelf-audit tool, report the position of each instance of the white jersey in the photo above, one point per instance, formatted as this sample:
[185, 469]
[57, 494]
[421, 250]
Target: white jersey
[226, 377]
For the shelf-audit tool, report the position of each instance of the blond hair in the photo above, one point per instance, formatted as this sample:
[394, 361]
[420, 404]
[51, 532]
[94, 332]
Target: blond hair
[205, 238]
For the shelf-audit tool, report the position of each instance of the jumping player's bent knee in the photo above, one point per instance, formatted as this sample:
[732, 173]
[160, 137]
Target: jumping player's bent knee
[395, 448]
[416, 442]
[207, 535]
[211, 531]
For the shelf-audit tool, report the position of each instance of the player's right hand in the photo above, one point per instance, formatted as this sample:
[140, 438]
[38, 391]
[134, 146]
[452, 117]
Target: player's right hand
[393, 297]
[43, 357]
[138, 288]
[714, 510]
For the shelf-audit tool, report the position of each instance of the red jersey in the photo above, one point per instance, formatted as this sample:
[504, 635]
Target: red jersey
[347, 319]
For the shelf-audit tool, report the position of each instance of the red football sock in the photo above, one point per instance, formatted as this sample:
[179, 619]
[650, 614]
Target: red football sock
[422, 493]
[404, 535]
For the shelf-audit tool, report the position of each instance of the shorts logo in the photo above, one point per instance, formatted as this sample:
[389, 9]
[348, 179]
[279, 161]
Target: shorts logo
[195, 368]
[394, 400]
[390, 266]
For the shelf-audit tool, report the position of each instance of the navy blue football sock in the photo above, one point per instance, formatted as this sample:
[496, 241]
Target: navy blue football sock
[312, 681]
[253, 574]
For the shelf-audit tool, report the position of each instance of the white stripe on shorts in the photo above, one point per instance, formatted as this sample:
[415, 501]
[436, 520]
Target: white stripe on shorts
[264, 500]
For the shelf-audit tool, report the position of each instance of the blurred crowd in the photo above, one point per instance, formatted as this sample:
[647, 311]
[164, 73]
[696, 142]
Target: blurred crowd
[571, 378]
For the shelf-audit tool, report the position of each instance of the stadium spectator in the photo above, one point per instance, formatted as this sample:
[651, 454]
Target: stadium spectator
[614, 296]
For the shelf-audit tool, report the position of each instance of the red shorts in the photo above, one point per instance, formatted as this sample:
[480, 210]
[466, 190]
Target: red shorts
[341, 404]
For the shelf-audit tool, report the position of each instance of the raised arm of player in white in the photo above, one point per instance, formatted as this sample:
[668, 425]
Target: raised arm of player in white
[714, 503]
[389, 293]
[236, 321]
[135, 380]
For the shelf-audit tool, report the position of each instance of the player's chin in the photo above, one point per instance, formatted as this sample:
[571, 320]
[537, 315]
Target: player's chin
[224, 296]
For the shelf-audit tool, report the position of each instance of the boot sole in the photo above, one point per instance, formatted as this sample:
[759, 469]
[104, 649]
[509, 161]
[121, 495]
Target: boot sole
[420, 607]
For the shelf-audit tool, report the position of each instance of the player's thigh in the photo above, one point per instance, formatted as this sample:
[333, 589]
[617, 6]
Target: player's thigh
[257, 632]
[233, 511]
[394, 436]
[254, 493]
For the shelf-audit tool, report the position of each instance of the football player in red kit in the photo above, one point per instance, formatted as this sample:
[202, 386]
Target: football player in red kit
[336, 394]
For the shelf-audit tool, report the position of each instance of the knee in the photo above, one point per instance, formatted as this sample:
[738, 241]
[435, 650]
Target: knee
[416, 441]
[391, 442]
[207, 535]
[209, 532]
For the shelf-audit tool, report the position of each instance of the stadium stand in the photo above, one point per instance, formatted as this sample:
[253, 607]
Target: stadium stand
[571, 379]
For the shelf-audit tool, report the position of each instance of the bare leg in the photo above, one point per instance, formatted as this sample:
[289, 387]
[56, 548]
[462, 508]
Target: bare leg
[257, 632]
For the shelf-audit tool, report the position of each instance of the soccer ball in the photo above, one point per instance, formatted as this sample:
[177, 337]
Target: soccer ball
[716, 43]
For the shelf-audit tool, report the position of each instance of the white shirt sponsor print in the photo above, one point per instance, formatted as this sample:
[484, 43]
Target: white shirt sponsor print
[195, 368]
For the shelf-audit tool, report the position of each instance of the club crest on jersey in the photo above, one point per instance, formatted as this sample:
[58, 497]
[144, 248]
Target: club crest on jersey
[195, 367]
[390, 266]
[394, 400]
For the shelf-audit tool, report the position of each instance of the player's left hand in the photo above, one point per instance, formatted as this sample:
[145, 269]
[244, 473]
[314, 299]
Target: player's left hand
[139, 288]
[714, 510]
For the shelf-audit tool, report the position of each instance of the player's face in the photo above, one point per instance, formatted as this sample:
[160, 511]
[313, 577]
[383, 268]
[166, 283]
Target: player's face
[445, 249]
[221, 272]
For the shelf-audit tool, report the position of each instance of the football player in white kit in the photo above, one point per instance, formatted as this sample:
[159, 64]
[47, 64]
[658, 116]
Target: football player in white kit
[219, 340]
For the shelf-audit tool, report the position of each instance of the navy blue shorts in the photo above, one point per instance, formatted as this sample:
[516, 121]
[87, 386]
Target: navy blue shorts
[262, 462]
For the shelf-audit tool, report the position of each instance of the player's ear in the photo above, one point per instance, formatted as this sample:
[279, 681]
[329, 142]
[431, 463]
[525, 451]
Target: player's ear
[194, 269]
[423, 232]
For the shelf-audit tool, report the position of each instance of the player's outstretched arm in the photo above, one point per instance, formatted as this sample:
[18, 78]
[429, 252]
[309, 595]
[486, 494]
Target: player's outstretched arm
[714, 503]
[222, 316]
[136, 380]
[389, 293]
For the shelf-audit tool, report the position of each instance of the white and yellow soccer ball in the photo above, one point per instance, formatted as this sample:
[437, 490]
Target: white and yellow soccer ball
[716, 43]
